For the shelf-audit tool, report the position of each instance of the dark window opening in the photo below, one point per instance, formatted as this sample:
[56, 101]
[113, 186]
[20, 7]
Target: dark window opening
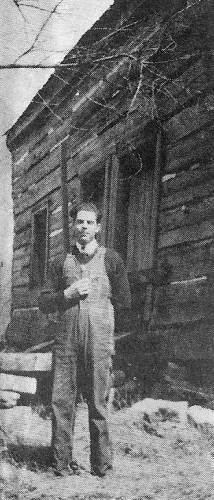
[122, 211]
[39, 247]
[129, 169]
[93, 187]
[92, 190]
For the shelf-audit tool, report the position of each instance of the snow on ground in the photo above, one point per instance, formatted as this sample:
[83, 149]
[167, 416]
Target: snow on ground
[157, 458]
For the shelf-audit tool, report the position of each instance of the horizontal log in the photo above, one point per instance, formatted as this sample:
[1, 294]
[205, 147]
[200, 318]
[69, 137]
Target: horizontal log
[18, 383]
[25, 362]
[198, 147]
[34, 174]
[38, 191]
[176, 94]
[23, 238]
[21, 262]
[195, 175]
[189, 194]
[36, 138]
[187, 234]
[186, 215]
[41, 146]
[21, 277]
[21, 253]
[23, 220]
[189, 120]
[23, 426]
[182, 302]
[188, 342]
[190, 261]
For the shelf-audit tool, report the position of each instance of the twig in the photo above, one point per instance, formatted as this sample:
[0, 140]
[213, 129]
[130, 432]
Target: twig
[44, 24]
[106, 106]
[48, 107]
[60, 78]
[138, 87]
[22, 4]
[123, 28]
[16, 3]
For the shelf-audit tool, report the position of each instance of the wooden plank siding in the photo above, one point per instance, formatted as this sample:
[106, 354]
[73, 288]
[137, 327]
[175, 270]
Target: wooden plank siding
[183, 307]
[38, 191]
[101, 117]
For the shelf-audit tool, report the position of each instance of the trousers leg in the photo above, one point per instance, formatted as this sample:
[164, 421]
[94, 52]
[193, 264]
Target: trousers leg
[63, 404]
[100, 445]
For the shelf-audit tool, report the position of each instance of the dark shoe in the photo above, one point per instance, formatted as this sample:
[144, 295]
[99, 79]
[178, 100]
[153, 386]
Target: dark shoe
[101, 473]
[61, 472]
[70, 470]
[74, 467]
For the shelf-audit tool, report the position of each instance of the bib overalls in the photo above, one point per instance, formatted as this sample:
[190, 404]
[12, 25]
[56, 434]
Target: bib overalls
[82, 360]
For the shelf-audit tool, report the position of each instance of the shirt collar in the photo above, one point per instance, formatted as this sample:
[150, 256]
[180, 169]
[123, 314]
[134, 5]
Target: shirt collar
[89, 248]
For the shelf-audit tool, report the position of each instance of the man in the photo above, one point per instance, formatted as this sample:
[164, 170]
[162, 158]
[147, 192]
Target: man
[86, 289]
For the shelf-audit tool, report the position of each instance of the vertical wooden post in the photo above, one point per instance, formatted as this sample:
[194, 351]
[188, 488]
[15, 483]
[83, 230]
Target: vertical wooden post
[113, 200]
[32, 252]
[156, 195]
[64, 191]
[106, 201]
[154, 221]
[47, 238]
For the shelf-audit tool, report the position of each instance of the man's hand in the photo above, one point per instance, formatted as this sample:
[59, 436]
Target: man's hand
[78, 288]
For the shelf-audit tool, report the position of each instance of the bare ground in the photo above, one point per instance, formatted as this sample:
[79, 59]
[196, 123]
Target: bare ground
[168, 460]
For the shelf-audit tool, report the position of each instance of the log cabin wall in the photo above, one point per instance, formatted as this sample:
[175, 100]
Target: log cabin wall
[107, 119]
[184, 297]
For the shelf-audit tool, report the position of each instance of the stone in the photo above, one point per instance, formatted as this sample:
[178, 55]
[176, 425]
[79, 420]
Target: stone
[8, 399]
[202, 419]
[23, 426]
[159, 408]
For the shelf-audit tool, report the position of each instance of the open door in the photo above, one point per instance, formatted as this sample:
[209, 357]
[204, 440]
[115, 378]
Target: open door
[132, 223]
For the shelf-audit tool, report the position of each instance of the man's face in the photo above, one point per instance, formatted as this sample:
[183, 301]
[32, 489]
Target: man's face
[86, 226]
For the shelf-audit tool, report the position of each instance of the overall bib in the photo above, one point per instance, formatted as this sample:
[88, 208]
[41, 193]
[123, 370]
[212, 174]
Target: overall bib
[82, 360]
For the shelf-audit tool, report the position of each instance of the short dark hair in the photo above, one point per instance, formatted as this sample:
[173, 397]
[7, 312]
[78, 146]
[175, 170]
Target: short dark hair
[88, 207]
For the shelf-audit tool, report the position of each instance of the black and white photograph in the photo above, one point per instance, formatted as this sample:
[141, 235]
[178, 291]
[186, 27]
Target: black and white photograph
[107, 250]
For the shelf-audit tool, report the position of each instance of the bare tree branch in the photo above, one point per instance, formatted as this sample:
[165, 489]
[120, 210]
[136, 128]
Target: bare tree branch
[64, 65]
[16, 3]
[37, 7]
[36, 66]
[44, 24]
